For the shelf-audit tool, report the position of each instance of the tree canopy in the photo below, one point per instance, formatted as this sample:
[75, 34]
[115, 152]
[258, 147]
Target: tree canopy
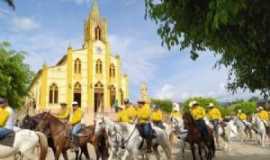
[15, 75]
[165, 105]
[236, 31]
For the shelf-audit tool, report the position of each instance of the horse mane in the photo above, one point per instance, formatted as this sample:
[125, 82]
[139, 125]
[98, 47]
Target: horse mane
[188, 116]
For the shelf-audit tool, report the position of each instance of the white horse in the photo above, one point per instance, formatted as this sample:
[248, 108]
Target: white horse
[260, 129]
[244, 129]
[25, 143]
[227, 134]
[128, 136]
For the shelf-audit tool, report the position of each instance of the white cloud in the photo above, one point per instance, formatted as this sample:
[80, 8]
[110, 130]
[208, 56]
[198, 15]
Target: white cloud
[24, 24]
[138, 57]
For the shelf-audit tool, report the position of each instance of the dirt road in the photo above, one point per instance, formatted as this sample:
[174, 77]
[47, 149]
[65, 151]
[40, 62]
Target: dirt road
[238, 152]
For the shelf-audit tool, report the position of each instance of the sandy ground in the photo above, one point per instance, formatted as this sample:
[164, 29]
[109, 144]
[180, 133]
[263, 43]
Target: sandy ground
[238, 152]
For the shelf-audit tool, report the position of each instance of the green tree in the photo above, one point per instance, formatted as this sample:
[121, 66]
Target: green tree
[247, 107]
[236, 31]
[165, 105]
[15, 75]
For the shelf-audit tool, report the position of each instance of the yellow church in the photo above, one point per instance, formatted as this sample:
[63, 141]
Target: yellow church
[90, 75]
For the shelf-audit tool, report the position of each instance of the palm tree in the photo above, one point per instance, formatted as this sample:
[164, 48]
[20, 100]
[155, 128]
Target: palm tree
[10, 3]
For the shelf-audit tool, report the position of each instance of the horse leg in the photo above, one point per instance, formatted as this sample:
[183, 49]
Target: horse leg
[156, 152]
[65, 155]
[57, 154]
[200, 151]
[77, 154]
[192, 147]
[183, 149]
[84, 150]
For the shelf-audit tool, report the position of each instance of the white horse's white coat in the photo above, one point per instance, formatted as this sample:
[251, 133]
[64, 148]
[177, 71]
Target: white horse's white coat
[131, 138]
[25, 143]
[261, 130]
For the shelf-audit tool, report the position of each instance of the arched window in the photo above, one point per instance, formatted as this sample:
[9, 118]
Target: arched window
[99, 66]
[53, 94]
[112, 71]
[97, 33]
[77, 66]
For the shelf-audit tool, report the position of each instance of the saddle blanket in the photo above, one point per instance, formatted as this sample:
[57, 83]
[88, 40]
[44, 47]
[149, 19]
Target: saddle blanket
[8, 140]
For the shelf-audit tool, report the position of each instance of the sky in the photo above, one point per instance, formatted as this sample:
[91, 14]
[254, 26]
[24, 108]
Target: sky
[45, 28]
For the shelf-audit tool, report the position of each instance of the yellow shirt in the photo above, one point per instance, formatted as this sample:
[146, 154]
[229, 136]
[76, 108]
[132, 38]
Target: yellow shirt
[63, 114]
[76, 117]
[214, 114]
[143, 113]
[156, 116]
[242, 116]
[122, 116]
[263, 115]
[4, 114]
[131, 112]
[198, 113]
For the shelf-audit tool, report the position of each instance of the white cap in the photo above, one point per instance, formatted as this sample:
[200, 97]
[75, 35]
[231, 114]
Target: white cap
[260, 108]
[239, 110]
[211, 105]
[74, 103]
[192, 103]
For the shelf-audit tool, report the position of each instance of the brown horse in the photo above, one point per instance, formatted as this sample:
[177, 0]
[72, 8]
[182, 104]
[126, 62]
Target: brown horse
[58, 134]
[195, 137]
[100, 141]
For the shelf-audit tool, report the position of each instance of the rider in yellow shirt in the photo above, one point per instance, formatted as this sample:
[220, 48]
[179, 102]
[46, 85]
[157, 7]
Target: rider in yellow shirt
[75, 121]
[263, 115]
[242, 116]
[122, 115]
[144, 126]
[63, 113]
[130, 110]
[4, 116]
[156, 116]
[214, 116]
[198, 114]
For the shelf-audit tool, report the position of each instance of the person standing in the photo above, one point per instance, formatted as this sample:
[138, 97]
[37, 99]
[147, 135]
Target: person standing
[5, 115]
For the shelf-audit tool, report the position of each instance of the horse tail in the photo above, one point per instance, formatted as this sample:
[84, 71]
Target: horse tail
[43, 144]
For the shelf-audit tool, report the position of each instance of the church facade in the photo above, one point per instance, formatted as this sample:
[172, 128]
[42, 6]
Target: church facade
[90, 75]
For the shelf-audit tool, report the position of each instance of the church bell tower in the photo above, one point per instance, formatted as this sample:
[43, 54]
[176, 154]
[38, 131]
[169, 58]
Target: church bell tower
[95, 27]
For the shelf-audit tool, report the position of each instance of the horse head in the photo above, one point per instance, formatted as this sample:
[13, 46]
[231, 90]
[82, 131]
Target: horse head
[188, 120]
[29, 122]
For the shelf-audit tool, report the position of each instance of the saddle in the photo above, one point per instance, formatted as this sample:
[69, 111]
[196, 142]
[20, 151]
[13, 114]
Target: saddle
[8, 139]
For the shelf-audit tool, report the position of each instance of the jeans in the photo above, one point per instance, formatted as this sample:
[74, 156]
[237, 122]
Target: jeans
[202, 127]
[145, 130]
[4, 132]
[76, 129]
